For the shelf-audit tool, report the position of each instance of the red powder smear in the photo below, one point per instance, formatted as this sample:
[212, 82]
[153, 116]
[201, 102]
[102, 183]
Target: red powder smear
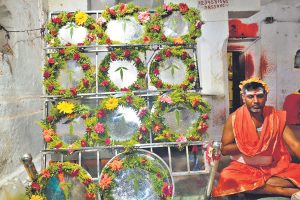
[249, 66]
[239, 29]
[236, 47]
[265, 67]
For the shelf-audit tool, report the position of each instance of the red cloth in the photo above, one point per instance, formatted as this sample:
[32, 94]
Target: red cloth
[292, 106]
[239, 177]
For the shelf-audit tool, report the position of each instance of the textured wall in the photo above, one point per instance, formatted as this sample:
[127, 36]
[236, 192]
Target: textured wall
[20, 84]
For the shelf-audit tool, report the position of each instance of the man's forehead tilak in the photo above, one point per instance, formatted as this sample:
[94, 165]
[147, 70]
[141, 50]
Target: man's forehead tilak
[255, 92]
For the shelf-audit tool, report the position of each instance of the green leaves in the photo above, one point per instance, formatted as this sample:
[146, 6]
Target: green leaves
[71, 27]
[177, 115]
[121, 71]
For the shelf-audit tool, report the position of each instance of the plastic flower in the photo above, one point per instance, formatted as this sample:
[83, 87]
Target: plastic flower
[101, 20]
[111, 103]
[36, 197]
[65, 107]
[105, 181]
[80, 18]
[166, 99]
[99, 128]
[144, 16]
[116, 165]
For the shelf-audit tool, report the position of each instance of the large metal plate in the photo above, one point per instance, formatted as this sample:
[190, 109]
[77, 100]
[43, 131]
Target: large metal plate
[70, 130]
[175, 25]
[124, 30]
[172, 71]
[71, 33]
[71, 75]
[122, 73]
[123, 123]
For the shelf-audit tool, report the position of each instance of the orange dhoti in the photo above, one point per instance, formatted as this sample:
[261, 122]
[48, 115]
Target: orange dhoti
[240, 177]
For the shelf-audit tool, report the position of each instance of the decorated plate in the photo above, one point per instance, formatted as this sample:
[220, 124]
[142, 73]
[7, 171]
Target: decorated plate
[122, 69]
[173, 68]
[68, 72]
[138, 175]
[63, 181]
[120, 120]
[65, 126]
[70, 28]
[180, 117]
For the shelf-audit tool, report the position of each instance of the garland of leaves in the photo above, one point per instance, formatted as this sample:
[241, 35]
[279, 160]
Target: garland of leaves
[118, 12]
[99, 131]
[58, 61]
[193, 102]
[37, 190]
[134, 161]
[59, 111]
[131, 55]
[155, 31]
[77, 18]
[177, 52]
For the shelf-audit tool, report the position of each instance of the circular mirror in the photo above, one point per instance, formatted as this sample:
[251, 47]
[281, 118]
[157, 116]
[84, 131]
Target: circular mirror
[175, 25]
[71, 33]
[71, 75]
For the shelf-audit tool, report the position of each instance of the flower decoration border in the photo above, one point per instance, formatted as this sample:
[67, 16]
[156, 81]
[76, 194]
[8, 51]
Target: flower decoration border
[117, 12]
[59, 169]
[80, 19]
[128, 54]
[98, 130]
[180, 53]
[154, 28]
[115, 165]
[57, 62]
[194, 102]
[72, 110]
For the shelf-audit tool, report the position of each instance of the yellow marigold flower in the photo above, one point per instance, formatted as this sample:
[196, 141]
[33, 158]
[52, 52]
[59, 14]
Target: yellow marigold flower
[65, 107]
[256, 80]
[80, 18]
[111, 103]
[36, 197]
[178, 40]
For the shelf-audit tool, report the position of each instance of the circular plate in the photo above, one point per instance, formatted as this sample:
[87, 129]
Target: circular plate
[138, 175]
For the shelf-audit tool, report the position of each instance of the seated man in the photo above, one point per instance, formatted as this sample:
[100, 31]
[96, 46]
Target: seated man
[256, 138]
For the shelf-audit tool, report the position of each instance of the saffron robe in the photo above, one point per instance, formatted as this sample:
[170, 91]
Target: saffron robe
[239, 177]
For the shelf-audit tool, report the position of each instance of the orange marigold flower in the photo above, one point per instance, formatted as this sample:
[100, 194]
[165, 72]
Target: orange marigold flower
[105, 181]
[147, 39]
[122, 8]
[178, 40]
[47, 134]
[61, 177]
[116, 165]
[45, 173]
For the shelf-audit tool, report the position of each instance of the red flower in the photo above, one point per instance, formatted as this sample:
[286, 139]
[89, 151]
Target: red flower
[61, 91]
[107, 141]
[158, 84]
[103, 68]
[56, 20]
[124, 89]
[76, 56]
[112, 12]
[73, 91]
[68, 44]
[156, 128]
[147, 39]
[69, 15]
[53, 32]
[87, 182]
[199, 24]
[167, 190]
[137, 86]
[183, 86]
[108, 41]
[47, 74]
[158, 174]
[51, 61]
[90, 196]
[100, 35]
[61, 51]
[202, 127]
[88, 130]
[50, 118]
[204, 116]
[50, 88]
[80, 44]
[101, 113]
[83, 143]
[127, 53]
[142, 74]
[85, 66]
[86, 83]
[168, 53]
[163, 37]
[157, 57]
[91, 27]
[156, 71]
[35, 186]
[143, 129]
[58, 145]
[191, 78]
[122, 8]
[113, 56]
[129, 99]
[112, 89]
[105, 83]
[183, 8]
[192, 66]
[195, 103]
[184, 55]
[138, 61]
[155, 27]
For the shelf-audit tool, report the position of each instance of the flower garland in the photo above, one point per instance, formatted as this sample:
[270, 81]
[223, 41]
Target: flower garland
[193, 102]
[59, 111]
[37, 189]
[77, 18]
[158, 176]
[154, 28]
[99, 132]
[121, 11]
[177, 52]
[121, 54]
[58, 61]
